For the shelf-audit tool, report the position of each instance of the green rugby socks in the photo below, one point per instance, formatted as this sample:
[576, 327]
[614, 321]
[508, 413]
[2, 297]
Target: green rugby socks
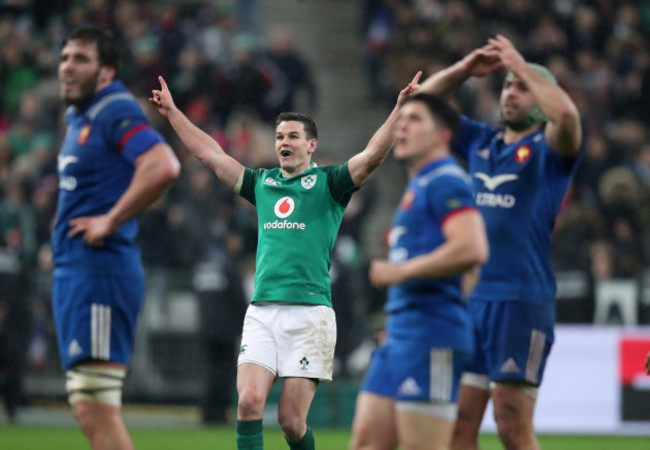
[249, 435]
[305, 443]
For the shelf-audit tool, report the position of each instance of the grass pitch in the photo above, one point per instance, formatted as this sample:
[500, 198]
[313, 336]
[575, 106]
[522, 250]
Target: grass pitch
[48, 438]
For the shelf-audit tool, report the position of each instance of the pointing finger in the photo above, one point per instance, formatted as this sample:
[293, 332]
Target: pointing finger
[162, 82]
[416, 78]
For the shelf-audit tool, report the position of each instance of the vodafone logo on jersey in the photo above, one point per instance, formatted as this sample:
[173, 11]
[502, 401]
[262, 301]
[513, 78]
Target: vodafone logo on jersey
[284, 207]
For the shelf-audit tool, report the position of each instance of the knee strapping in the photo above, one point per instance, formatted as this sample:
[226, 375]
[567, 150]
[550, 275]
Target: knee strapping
[528, 389]
[476, 380]
[93, 383]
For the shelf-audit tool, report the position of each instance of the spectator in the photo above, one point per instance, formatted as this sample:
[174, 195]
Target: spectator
[293, 75]
[219, 286]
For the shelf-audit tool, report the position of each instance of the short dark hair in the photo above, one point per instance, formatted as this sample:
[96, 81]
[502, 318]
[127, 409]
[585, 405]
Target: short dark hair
[109, 56]
[441, 111]
[308, 123]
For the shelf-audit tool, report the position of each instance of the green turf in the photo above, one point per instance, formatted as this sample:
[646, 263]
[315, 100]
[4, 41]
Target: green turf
[37, 438]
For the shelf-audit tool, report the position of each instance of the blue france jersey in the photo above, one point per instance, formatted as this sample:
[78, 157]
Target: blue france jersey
[519, 188]
[433, 306]
[95, 167]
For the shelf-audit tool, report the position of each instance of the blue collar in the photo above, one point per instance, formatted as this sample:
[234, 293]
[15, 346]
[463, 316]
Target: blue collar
[115, 86]
[434, 165]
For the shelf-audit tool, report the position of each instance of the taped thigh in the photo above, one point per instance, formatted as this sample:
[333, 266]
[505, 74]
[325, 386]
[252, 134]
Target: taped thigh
[528, 389]
[95, 383]
[476, 380]
[439, 410]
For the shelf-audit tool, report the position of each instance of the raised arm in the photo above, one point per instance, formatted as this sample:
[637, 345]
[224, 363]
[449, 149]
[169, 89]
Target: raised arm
[362, 164]
[564, 130]
[199, 143]
[479, 63]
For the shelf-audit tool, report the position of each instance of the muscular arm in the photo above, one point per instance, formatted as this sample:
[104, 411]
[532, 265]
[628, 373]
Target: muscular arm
[480, 62]
[563, 131]
[199, 143]
[363, 164]
[154, 172]
[447, 81]
[465, 246]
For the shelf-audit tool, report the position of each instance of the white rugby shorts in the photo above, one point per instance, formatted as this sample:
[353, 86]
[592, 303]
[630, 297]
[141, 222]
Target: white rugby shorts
[290, 340]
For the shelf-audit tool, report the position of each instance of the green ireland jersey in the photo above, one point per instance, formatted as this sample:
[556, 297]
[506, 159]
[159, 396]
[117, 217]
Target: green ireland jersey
[298, 219]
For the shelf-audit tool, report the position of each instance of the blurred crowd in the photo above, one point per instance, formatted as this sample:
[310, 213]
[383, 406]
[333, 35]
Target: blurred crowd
[598, 49]
[231, 80]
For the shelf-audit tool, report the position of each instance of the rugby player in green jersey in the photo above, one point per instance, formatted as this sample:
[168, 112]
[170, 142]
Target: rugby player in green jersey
[289, 331]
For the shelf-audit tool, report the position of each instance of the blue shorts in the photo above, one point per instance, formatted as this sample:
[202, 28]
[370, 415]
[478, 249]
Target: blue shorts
[512, 340]
[96, 315]
[409, 371]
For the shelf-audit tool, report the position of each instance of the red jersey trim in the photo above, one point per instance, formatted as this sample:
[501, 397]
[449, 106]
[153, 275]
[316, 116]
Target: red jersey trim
[455, 212]
[130, 133]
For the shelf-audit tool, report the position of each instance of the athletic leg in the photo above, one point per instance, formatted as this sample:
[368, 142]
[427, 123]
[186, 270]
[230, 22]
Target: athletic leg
[424, 429]
[254, 383]
[374, 423]
[474, 392]
[523, 337]
[306, 338]
[253, 386]
[472, 400]
[295, 400]
[95, 392]
[103, 426]
[514, 406]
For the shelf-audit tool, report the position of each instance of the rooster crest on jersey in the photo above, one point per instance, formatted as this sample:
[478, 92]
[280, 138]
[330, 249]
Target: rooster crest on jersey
[83, 135]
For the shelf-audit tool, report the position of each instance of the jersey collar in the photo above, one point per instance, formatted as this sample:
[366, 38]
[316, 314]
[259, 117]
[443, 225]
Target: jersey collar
[528, 137]
[312, 164]
[434, 165]
[115, 86]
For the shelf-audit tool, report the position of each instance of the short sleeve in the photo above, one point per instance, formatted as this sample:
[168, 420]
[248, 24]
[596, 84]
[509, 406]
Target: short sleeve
[128, 130]
[448, 196]
[247, 190]
[339, 181]
[473, 135]
[562, 165]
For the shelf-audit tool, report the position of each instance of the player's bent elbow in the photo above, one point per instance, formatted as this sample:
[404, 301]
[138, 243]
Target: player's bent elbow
[480, 254]
[173, 170]
[569, 112]
[169, 170]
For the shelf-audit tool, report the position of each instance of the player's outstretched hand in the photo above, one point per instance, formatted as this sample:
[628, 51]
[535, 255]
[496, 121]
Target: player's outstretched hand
[647, 364]
[409, 89]
[508, 54]
[482, 61]
[162, 99]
